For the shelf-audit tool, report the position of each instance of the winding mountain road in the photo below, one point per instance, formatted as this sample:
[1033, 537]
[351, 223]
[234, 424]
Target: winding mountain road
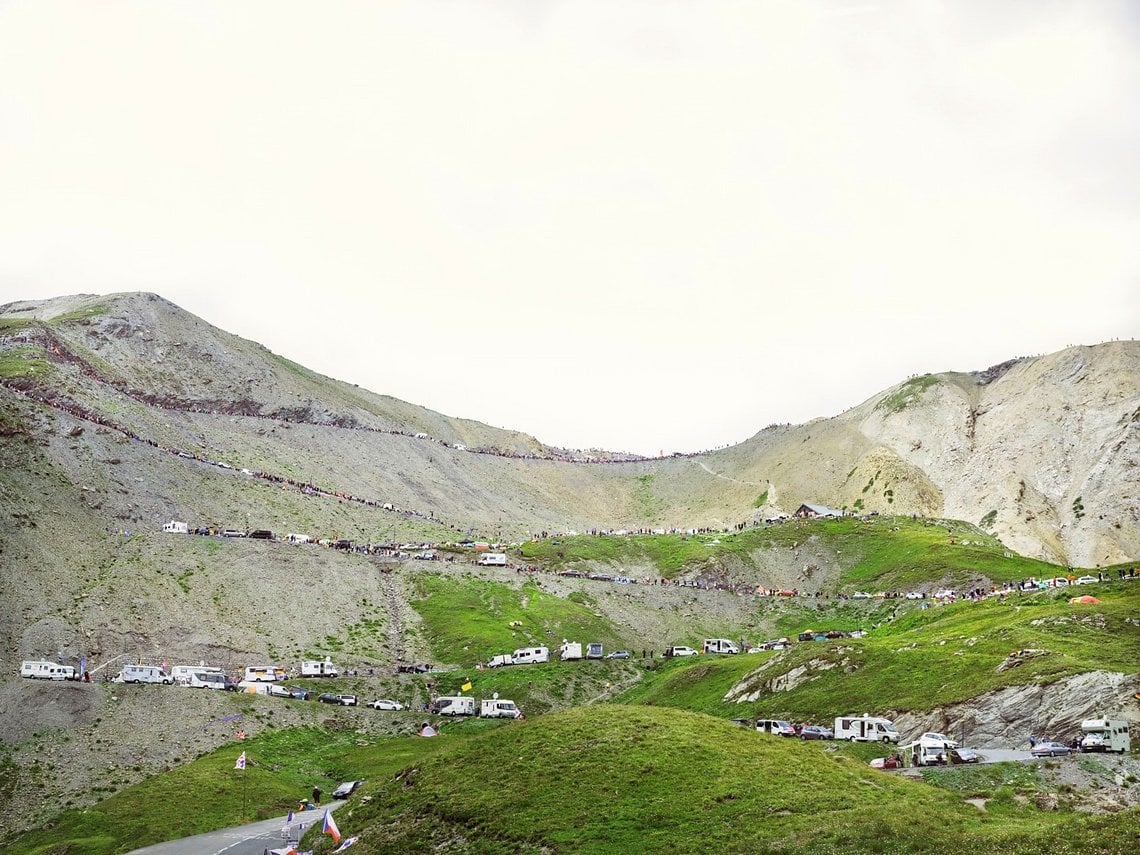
[252, 839]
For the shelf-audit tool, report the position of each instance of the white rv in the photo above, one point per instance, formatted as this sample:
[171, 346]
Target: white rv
[493, 559]
[264, 673]
[176, 527]
[37, 669]
[570, 650]
[499, 708]
[930, 749]
[530, 655]
[1103, 734]
[144, 674]
[316, 668]
[453, 705]
[865, 728]
[298, 538]
[500, 660]
[210, 679]
[719, 645]
[183, 674]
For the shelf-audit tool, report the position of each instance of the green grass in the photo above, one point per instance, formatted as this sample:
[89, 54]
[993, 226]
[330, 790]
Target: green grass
[12, 325]
[761, 500]
[468, 620]
[624, 779]
[922, 660]
[92, 311]
[20, 362]
[884, 553]
[908, 393]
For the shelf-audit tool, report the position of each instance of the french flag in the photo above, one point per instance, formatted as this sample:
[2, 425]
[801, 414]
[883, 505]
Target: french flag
[329, 827]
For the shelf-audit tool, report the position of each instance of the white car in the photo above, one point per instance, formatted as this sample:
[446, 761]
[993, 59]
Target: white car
[861, 595]
[348, 700]
[678, 651]
[1086, 580]
[385, 704]
[276, 690]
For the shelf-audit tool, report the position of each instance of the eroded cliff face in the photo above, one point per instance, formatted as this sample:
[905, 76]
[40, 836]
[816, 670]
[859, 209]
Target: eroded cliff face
[1045, 453]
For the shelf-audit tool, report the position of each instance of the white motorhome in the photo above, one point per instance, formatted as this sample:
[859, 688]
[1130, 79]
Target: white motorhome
[212, 679]
[316, 668]
[570, 650]
[499, 708]
[1103, 734]
[719, 645]
[298, 538]
[493, 559]
[530, 655]
[594, 650]
[865, 728]
[264, 673]
[183, 674]
[930, 749]
[453, 705]
[37, 669]
[144, 674]
[176, 527]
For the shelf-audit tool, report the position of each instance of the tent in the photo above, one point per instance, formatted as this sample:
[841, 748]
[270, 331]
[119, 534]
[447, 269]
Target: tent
[1085, 599]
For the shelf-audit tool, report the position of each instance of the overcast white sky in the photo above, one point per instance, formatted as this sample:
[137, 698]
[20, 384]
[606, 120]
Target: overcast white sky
[643, 226]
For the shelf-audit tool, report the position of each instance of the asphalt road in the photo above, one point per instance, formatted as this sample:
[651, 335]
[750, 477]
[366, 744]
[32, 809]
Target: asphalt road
[252, 839]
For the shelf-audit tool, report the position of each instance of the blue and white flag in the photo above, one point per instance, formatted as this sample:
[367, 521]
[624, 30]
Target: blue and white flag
[240, 764]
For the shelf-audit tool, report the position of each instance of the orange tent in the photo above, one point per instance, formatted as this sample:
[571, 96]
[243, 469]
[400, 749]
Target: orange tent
[1085, 599]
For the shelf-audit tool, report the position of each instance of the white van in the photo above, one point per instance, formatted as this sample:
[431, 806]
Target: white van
[530, 655]
[176, 527]
[182, 674]
[570, 650]
[493, 559]
[212, 679]
[865, 728]
[1102, 734]
[775, 727]
[37, 669]
[501, 659]
[453, 705]
[496, 708]
[316, 668]
[719, 645]
[144, 674]
[264, 673]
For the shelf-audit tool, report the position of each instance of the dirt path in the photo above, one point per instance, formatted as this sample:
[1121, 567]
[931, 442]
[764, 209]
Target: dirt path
[726, 478]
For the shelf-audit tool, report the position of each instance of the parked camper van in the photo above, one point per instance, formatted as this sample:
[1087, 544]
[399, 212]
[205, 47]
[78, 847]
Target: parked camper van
[176, 527]
[264, 673]
[499, 708]
[212, 679]
[453, 705]
[183, 674]
[719, 645]
[570, 650]
[1102, 734]
[775, 727]
[530, 655]
[37, 669]
[865, 728]
[929, 750]
[493, 559]
[316, 668]
[144, 674]
[501, 659]
[594, 650]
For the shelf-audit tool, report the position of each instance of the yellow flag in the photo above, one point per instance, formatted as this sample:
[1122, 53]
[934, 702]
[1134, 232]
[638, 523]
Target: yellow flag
[466, 687]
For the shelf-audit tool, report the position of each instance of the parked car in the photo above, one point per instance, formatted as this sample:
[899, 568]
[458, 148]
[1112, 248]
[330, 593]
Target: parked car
[930, 736]
[618, 654]
[678, 651]
[298, 693]
[275, 690]
[328, 698]
[964, 755]
[346, 789]
[816, 731]
[347, 700]
[385, 704]
[861, 595]
[1086, 580]
[1050, 749]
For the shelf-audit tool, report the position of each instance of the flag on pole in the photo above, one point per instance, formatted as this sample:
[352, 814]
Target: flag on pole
[466, 687]
[348, 841]
[289, 818]
[240, 764]
[329, 826]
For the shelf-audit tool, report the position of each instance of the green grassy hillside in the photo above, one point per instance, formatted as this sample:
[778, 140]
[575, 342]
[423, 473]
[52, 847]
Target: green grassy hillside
[926, 658]
[620, 779]
[882, 553]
